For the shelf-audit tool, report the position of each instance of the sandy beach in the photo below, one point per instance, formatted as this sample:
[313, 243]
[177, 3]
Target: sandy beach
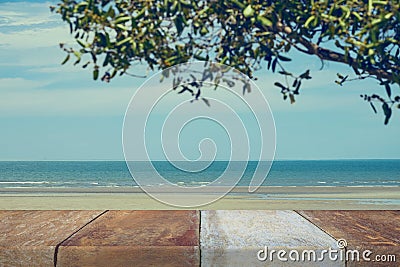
[287, 198]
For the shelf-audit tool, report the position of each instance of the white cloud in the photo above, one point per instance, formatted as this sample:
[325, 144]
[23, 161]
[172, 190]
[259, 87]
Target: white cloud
[35, 38]
[58, 69]
[31, 25]
[19, 83]
[33, 58]
[25, 14]
[29, 37]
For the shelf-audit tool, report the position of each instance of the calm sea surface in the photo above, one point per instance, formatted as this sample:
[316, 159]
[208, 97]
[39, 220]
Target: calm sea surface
[16, 174]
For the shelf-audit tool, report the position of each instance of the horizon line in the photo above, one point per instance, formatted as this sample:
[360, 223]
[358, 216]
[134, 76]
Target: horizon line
[158, 160]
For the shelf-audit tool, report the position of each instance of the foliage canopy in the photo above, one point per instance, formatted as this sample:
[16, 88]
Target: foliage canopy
[248, 35]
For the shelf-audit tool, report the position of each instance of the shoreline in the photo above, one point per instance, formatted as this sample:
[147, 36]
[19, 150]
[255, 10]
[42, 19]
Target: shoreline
[210, 189]
[287, 198]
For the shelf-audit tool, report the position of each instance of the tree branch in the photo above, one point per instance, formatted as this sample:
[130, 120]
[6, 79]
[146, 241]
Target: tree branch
[327, 54]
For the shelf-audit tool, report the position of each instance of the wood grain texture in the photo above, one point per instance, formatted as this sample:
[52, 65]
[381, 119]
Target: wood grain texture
[233, 238]
[379, 228]
[29, 238]
[135, 238]
[378, 231]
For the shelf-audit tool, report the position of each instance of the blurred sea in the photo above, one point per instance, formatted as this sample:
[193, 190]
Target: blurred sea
[87, 174]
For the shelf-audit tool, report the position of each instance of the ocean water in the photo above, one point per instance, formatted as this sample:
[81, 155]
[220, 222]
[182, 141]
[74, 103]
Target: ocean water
[86, 174]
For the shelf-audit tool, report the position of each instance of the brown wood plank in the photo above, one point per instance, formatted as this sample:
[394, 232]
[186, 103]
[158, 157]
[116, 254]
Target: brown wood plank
[29, 238]
[378, 231]
[135, 238]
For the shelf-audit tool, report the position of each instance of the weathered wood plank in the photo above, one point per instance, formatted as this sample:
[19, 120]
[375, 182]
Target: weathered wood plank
[377, 231]
[29, 238]
[234, 238]
[135, 238]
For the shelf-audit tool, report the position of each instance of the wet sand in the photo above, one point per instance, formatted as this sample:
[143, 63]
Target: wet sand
[282, 198]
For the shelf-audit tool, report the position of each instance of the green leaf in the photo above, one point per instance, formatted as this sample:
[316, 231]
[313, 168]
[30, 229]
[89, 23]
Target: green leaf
[356, 71]
[284, 58]
[113, 73]
[308, 21]
[357, 15]
[123, 41]
[238, 3]
[298, 86]
[264, 21]
[95, 74]
[388, 90]
[370, 7]
[78, 55]
[199, 57]
[378, 2]
[140, 14]
[387, 111]
[278, 84]
[107, 60]
[291, 99]
[65, 60]
[122, 19]
[110, 12]
[179, 24]
[122, 27]
[373, 107]
[102, 39]
[81, 4]
[388, 15]
[204, 30]
[81, 43]
[284, 73]
[246, 88]
[86, 64]
[248, 11]
[274, 64]
[305, 75]
[206, 101]
[186, 4]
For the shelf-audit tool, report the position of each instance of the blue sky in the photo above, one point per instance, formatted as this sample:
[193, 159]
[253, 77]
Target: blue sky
[54, 112]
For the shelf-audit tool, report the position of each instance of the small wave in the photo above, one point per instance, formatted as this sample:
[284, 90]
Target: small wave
[26, 182]
[191, 184]
[372, 186]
